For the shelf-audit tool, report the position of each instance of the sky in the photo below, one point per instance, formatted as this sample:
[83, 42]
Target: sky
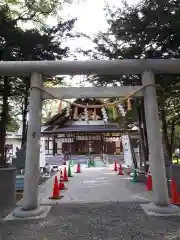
[90, 20]
[90, 14]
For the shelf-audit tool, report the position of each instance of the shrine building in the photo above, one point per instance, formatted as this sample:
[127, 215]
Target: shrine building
[81, 133]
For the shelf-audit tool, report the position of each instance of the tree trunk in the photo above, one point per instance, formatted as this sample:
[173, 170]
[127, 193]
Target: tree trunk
[144, 131]
[166, 145]
[3, 122]
[173, 123]
[165, 135]
[142, 146]
[24, 112]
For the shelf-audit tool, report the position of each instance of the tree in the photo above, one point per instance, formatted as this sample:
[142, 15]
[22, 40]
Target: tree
[44, 44]
[151, 29]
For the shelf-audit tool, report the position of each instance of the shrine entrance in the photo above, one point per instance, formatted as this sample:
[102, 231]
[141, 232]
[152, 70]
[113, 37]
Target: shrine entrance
[83, 143]
[86, 144]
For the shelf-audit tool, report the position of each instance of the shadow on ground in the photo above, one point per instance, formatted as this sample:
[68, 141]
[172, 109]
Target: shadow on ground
[100, 221]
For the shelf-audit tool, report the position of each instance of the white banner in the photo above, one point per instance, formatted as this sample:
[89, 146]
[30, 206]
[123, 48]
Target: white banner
[128, 160]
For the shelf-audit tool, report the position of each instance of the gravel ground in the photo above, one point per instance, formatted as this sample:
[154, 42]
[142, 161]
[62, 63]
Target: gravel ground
[115, 215]
[98, 221]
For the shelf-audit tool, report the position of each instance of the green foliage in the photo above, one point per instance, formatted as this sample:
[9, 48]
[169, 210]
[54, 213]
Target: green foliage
[35, 11]
[12, 125]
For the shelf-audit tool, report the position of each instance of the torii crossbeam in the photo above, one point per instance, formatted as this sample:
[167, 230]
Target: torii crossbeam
[105, 67]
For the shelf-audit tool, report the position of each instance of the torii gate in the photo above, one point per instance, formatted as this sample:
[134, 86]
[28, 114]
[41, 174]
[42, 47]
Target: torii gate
[147, 68]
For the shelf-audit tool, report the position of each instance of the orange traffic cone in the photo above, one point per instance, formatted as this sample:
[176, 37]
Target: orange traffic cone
[115, 166]
[65, 175]
[56, 192]
[120, 170]
[175, 198]
[61, 182]
[149, 182]
[78, 168]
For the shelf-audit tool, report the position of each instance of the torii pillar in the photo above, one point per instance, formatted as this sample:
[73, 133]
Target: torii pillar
[30, 207]
[161, 205]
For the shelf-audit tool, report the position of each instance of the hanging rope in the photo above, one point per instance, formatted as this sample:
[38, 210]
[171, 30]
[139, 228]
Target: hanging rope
[121, 100]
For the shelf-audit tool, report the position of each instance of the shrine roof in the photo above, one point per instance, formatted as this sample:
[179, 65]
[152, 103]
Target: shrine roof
[61, 117]
[60, 123]
[86, 129]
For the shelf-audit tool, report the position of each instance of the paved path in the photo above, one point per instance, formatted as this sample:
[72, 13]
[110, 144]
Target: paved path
[94, 185]
[99, 205]
[98, 184]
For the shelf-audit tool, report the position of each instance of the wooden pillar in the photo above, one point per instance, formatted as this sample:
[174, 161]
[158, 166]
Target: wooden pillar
[54, 146]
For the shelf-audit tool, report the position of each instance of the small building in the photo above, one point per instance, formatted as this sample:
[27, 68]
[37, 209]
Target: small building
[13, 141]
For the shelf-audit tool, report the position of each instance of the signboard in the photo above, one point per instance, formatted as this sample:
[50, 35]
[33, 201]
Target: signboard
[128, 161]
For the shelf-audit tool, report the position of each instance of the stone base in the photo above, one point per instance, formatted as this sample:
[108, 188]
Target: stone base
[20, 214]
[153, 210]
[7, 186]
